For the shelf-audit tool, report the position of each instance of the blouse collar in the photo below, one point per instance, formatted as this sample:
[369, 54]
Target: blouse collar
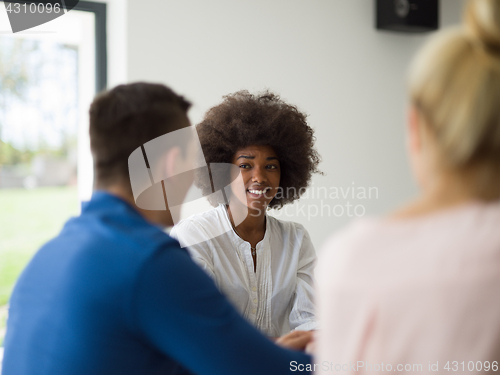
[237, 240]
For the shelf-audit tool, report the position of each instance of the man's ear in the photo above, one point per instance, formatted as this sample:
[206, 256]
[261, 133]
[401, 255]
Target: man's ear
[172, 159]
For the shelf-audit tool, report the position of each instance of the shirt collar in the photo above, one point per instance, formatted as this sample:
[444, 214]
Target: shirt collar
[233, 236]
[103, 201]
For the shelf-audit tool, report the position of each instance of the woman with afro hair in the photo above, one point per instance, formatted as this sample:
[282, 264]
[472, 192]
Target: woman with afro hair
[262, 264]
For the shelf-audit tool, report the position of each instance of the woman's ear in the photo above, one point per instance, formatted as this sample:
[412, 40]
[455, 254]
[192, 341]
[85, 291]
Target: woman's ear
[421, 148]
[414, 133]
[415, 146]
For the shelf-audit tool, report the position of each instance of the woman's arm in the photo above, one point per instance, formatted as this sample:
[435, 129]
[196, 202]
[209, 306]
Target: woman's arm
[302, 316]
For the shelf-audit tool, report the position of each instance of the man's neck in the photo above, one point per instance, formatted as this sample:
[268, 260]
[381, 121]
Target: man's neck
[162, 218]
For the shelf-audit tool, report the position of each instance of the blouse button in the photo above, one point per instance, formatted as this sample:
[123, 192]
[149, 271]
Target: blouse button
[255, 300]
[254, 289]
[254, 311]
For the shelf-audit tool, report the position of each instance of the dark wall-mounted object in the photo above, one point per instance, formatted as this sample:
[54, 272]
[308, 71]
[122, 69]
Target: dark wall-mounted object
[410, 16]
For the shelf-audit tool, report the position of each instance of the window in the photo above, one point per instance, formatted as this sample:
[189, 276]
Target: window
[48, 77]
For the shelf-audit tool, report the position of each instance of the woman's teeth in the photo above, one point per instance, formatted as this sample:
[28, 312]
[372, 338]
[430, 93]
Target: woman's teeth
[257, 192]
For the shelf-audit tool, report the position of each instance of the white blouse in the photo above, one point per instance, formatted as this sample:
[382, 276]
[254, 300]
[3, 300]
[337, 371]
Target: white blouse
[278, 297]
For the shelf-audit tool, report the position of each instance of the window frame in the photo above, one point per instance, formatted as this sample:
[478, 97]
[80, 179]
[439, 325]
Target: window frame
[101, 52]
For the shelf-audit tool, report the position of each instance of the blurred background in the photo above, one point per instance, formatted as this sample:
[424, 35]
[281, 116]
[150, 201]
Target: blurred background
[325, 56]
[47, 80]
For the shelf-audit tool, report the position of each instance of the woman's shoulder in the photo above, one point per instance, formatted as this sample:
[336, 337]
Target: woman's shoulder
[200, 227]
[434, 244]
[290, 232]
[286, 226]
[349, 254]
[205, 220]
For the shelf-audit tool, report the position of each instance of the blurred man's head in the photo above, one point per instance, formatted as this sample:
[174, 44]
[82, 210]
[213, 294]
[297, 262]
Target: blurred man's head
[125, 118]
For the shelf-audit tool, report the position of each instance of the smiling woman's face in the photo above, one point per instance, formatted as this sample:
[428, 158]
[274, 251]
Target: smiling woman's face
[260, 170]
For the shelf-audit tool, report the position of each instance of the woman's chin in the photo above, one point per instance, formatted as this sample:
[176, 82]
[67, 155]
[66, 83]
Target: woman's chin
[257, 205]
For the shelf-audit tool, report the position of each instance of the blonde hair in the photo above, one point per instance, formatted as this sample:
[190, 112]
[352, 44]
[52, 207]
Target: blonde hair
[455, 83]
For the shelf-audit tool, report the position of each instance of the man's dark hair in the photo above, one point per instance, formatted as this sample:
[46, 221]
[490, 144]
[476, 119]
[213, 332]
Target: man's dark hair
[126, 117]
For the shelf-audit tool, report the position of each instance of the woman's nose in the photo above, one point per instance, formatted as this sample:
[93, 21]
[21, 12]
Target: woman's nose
[259, 175]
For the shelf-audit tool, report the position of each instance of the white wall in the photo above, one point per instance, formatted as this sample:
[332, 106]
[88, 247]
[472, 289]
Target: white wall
[323, 55]
[117, 19]
[116, 32]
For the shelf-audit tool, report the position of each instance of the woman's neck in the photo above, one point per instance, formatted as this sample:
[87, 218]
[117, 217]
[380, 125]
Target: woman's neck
[447, 191]
[253, 225]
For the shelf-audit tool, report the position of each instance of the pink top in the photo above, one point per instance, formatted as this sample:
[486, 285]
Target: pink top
[412, 295]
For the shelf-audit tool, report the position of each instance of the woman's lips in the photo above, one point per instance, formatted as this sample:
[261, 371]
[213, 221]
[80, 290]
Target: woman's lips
[258, 193]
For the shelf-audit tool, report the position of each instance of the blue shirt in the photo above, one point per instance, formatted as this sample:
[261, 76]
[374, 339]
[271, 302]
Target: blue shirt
[113, 294]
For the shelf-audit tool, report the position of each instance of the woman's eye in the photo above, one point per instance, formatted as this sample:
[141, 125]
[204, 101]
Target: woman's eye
[244, 166]
[272, 166]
